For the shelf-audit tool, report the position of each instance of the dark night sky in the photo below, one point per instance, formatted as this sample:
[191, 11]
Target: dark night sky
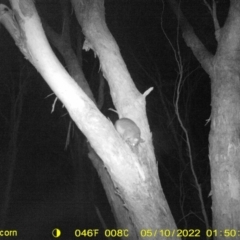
[44, 188]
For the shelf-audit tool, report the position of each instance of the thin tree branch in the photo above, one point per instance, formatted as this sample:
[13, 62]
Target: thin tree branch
[213, 12]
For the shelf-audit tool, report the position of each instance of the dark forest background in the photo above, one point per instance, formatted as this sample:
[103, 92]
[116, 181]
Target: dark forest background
[51, 187]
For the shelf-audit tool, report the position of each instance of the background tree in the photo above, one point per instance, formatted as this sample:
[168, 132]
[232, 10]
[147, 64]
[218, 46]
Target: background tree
[222, 67]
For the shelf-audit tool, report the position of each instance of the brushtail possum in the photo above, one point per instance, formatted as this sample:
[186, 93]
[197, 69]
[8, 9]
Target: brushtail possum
[129, 131]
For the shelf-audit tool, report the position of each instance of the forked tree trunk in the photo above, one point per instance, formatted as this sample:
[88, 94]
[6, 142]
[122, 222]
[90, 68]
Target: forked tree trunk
[135, 194]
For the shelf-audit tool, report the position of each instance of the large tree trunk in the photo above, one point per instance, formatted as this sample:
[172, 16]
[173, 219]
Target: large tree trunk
[224, 142]
[224, 139]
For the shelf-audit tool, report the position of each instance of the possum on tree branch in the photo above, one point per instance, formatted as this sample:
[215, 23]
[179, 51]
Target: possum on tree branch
[129, 131]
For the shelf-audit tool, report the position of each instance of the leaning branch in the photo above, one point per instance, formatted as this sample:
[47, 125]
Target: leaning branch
[192, 41]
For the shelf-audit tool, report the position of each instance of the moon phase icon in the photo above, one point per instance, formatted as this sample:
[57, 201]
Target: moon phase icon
[56, 232]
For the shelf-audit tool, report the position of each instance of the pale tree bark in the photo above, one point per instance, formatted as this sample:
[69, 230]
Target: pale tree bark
[62, 43]
[224, 139]
[133, 172]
